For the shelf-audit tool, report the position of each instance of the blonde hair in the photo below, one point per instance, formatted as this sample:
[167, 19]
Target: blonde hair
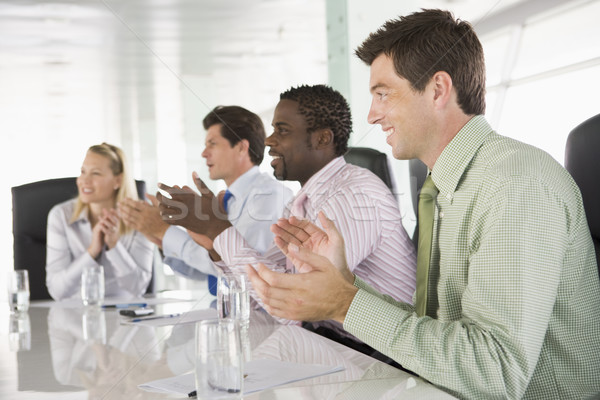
[118, 166]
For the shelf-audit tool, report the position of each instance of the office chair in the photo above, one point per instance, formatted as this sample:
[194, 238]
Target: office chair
[582, 160]
[31, 204]
[371, 159]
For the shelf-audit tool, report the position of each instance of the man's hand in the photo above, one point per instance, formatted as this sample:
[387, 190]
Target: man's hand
[197, 213]
[144, 218]
[323, 293]
[303, 233]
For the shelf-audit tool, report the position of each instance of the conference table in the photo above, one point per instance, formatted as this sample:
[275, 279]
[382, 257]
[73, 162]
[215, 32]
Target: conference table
[63, 350]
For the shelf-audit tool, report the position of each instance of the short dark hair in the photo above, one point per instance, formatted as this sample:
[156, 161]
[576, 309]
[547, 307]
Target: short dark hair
[323, 107]
[237, 124]
[422, 43]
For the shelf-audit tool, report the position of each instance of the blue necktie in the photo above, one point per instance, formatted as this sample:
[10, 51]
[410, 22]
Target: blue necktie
[212, 280]
[226, 198]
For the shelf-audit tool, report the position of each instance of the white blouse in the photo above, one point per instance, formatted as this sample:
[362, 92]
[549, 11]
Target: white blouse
[127, 266]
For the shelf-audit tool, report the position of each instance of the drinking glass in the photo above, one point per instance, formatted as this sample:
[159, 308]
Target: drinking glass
[233, 298]
[219, 362]
[18, 290]
[92, 285]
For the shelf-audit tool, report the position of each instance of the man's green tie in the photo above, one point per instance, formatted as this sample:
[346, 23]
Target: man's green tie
[426, 212]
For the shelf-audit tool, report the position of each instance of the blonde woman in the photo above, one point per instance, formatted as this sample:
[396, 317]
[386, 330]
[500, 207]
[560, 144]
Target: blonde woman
[87, 231]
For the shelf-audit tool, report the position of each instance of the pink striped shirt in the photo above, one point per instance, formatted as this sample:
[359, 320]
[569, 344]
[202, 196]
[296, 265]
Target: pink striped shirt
[366, 213]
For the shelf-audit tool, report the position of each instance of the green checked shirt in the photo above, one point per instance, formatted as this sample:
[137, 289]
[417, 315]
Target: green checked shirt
[513, 280]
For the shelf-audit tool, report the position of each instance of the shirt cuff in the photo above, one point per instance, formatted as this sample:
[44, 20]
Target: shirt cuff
[220, 242]
[173, 241]
[358, 312]
[370, 314]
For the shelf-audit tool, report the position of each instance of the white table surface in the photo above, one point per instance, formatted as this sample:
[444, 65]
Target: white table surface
[55, 360]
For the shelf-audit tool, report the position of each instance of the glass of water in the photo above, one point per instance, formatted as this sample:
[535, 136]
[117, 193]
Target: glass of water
[219, 361]
[18, 290]
[92, 285]
[233, 298]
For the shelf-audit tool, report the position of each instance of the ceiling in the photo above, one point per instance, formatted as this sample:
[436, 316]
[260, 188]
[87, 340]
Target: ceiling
[66, 50]
[59, 53]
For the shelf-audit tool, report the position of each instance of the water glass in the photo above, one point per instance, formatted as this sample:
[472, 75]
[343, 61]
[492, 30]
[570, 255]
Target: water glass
[233, 298]
[219, 361]
[18, 290]
[92, 285]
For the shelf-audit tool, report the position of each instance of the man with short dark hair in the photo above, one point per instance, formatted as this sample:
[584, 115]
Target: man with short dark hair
[234, 147]
[508, 296]
[311, 127]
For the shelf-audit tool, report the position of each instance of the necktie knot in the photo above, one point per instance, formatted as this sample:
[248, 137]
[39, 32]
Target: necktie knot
[226, 198]
[428, 191]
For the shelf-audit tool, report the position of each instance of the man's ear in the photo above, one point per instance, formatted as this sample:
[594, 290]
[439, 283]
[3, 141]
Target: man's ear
[442, 88]
[244, 145]
[323, 137]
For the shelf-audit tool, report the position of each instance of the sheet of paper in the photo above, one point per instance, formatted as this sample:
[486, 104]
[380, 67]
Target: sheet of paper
[183, 318]
[260, 374]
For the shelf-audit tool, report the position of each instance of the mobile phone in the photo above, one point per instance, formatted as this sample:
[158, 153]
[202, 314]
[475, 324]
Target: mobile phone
[138, 312]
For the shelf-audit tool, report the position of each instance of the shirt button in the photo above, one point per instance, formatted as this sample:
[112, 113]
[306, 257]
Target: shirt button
[442, 214]
[449, 197]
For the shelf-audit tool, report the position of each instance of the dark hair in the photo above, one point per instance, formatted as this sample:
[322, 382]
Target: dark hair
[429, 41]
[323, 107]
[237, 124]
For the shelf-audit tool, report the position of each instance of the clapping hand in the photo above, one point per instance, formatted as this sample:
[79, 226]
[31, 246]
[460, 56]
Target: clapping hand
[105, 232]
[198, 213]
[110, 227]
[144, 218]
[324, 289]
[326, 242]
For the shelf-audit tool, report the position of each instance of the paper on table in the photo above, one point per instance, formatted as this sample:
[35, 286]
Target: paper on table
[184, 318]
[261, 374]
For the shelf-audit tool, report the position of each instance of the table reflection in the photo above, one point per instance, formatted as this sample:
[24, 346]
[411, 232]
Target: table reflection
[19, 332]
[296, 344]
[91, 349]
[88, 350]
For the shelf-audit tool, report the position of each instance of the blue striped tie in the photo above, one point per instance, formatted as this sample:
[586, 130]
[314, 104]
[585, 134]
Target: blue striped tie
[212, 280]
[226, 198]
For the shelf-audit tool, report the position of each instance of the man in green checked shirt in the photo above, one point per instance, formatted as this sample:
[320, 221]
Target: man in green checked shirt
[508, 295]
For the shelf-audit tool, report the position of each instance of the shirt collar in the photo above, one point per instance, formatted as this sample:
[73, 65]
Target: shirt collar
[82, 217]
[457, 155]
[242, 185]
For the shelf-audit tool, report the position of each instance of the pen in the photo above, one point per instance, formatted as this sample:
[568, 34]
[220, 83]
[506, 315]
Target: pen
[124, 305]
[193, 393]
[155, 317]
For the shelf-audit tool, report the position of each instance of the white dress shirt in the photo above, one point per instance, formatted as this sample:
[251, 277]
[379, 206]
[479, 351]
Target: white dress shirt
[365, 212]
[257, 202]
[127, 266]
